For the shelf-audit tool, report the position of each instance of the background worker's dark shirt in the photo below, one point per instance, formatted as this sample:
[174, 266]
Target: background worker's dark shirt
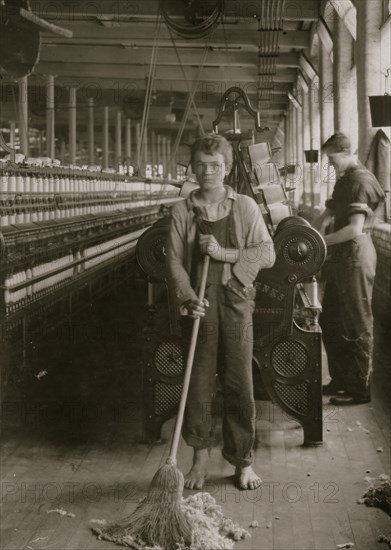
[357, 191]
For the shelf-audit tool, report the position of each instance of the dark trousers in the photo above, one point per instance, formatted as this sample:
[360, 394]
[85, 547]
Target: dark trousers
[227, 326]
[346, 318]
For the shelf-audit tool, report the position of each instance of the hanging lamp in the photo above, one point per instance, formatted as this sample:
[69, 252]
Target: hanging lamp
[380, 106]
[311, 155]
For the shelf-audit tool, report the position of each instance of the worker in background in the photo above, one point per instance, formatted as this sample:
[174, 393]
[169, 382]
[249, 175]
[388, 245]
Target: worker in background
[346, 318]
[227, 226]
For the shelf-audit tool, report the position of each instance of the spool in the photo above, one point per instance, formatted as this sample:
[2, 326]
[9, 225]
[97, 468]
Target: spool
[33, 185]
[19, 218]
[12, 183]
[4, 219]
[19, 183]
[4, 183]
[11, 216]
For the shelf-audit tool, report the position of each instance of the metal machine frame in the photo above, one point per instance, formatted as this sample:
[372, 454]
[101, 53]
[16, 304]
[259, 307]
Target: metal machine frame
[287, 346]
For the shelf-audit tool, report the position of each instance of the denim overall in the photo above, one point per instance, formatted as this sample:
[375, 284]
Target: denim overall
[225, 345]
[346, 319]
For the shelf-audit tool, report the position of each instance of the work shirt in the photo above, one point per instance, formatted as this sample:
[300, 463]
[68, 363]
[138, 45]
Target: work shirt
[255, 245]
[357, 191]
[220, 229]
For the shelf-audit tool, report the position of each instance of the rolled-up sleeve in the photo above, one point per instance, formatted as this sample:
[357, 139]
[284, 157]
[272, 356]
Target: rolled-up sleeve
[258, 252]
[364, 195]
[177, 276]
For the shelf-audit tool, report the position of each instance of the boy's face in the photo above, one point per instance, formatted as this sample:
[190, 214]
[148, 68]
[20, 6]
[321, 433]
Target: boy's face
[339, 161]
[209, 169]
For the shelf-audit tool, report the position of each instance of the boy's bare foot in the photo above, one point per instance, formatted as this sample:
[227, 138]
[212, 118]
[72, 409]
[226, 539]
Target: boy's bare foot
[247, 478]
[195, 479]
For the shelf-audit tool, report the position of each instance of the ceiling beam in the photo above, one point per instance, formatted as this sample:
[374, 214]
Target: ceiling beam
[61, 121]
[304, 10]
[131, 103]
[37, 84]
[117, 55]
[95, 87]
[109, 72]
[156, 113]
[143, 35]
[74, 71]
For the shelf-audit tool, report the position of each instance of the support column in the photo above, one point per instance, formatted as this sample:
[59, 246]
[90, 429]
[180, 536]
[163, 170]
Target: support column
[289, 134]
[128, 139]
[164, 158]
[145, 150]
[306, 146]
[294, 141]
[72, 125]
[286, 140]
[12, 134]
[153, 152]
[280, 139]
[326, 107]
[63, 151]
[173, 167]
[169, 160]
[50, 127]
[345, 104]
[314, 140]
[159, 150]
[118, 140]
[138, 130]
[23, 115]
[40, 149]
[369, 77]
[105, 138]
[298, 180]
[90, 132]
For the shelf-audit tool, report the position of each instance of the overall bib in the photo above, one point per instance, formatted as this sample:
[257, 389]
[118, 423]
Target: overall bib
[225, 345]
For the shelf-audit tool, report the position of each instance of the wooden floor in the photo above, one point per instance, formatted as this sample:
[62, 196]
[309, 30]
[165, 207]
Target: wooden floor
[74, 448]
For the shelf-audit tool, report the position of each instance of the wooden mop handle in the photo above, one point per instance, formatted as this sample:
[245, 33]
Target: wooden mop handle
[189, 366]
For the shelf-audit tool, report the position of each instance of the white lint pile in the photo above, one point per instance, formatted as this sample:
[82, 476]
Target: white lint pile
[211, 530]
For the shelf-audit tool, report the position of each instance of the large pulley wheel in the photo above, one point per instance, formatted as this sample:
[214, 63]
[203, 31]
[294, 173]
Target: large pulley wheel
[20, 43]
[150, 251]
[301, 250]
[293, 222]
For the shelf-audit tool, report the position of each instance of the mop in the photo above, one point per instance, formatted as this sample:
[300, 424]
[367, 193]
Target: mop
[164, 520]
[159, 520]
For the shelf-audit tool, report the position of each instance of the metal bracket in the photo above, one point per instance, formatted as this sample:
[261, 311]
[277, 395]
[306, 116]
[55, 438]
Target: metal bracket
[226, 100]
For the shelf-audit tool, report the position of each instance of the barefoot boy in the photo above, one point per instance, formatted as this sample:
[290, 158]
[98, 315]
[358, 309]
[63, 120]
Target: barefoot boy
[229, 227]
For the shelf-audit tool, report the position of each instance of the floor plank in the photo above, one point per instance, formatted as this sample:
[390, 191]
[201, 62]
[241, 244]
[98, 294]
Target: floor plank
[102, 470]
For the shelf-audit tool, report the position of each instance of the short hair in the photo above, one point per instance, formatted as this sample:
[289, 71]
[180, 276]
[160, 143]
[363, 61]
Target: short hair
[337, 143]
[213, 143]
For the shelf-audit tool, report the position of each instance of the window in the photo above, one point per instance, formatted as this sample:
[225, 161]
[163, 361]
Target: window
[386, 9]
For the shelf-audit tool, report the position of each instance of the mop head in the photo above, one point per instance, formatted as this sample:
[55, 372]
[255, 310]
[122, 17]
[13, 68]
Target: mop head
[209, 529]
[378, 493]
